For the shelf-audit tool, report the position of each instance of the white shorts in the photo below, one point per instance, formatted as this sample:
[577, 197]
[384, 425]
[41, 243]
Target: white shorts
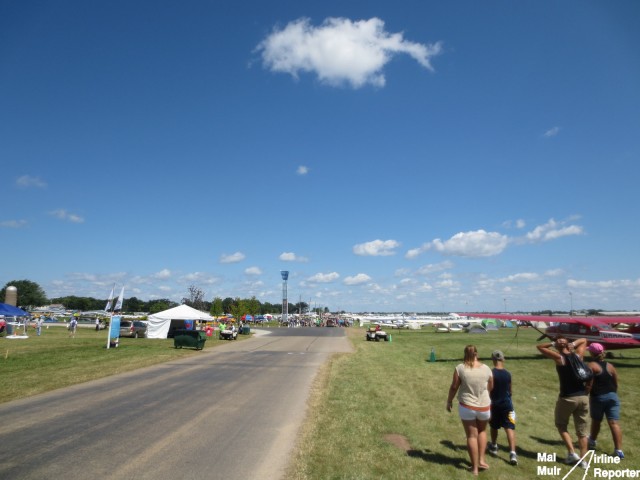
[467, 414]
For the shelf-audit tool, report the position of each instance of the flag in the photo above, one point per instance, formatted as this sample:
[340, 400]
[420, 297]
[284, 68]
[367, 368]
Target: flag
[110, 299]
[119, 302]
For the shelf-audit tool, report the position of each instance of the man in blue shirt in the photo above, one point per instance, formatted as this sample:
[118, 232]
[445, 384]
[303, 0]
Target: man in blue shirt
[502, 413]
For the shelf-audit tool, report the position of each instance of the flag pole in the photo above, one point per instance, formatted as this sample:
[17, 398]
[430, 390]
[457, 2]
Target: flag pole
[107, 308]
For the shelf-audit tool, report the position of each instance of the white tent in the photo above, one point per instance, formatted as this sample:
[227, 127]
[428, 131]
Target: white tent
[159, 323]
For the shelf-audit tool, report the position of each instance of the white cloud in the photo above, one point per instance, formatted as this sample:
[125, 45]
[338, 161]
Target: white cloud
[358, 279]
[324, 277]
[376, 248]
[26, 181]
[552, 132]
[232, 258]
[62, 214]
[340, 50]
[553, 230]
[13, 223]
[253, 271]
[200, 278]
[434, 268]
[519, 224]
[554, 273]
[292, 257]
[472, 244]
[521, 277]
[302, 170]
[605, 284]
[162, 274]
[416, 252]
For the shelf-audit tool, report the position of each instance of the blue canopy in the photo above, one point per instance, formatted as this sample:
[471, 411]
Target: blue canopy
[11, 311]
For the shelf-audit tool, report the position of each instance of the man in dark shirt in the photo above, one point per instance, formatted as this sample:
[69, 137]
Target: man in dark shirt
[502, 413]
[573, 400]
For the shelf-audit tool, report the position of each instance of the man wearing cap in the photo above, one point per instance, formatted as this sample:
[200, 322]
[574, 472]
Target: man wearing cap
[603, 398]
[502, 412]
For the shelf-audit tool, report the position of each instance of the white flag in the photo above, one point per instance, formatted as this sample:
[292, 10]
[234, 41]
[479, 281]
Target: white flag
[110, 299]
[119, 302]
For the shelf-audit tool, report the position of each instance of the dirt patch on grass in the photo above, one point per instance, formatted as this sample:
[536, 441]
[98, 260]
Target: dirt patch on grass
[398, 441]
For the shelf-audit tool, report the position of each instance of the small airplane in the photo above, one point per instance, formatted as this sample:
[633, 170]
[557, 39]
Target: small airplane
[594, 329]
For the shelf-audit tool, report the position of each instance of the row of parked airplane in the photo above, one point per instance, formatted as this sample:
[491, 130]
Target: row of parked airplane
[613, 332]
[600, 329]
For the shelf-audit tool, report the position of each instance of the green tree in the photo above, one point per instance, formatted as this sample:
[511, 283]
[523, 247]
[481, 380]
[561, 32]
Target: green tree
[253, 306]
[238, 309]
[226, 304]
[216, 307]
[159, 305]
[133, 304]
[30, 294]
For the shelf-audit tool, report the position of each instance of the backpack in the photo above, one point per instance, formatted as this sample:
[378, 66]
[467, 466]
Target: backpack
[580, 369]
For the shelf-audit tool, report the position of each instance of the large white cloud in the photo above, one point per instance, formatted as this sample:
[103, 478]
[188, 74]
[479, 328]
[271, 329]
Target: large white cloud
[376, 248]
[472, 244]
[340, 50]
[324, 277]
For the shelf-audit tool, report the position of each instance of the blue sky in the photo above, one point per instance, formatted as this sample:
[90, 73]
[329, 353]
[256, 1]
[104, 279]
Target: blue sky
[393, 156]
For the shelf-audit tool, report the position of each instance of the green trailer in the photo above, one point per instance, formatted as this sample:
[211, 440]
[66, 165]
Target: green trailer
[189, 338]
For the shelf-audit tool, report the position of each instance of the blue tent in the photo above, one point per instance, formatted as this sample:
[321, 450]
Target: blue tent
[11, 311]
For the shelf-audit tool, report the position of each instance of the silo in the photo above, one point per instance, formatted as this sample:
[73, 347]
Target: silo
[11, 296]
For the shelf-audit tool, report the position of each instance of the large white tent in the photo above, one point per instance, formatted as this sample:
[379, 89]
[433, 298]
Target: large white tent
[159, 323]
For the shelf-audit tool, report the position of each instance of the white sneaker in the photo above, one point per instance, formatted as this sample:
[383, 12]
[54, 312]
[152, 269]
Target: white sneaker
[493, 448]
[573, 457]
[513, 458]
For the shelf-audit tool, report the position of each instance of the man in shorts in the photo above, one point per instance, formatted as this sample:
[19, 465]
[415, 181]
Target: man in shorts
[572, 400]
[502, 413]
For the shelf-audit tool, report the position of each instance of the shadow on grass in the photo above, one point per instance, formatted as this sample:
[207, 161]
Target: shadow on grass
[488, 361]
[546, 441]
[439, 458]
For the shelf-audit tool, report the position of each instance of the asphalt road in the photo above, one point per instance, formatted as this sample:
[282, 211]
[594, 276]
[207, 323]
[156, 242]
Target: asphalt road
[232, 412]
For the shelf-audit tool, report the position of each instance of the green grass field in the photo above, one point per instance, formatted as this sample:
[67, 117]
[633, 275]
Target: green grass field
[54, 360]
[380, 413]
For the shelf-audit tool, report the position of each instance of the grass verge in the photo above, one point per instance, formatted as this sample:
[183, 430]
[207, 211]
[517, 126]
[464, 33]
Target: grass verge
[379, 413]
[54, 360]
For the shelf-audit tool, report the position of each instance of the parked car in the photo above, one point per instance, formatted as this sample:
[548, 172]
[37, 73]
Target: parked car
[133, 329]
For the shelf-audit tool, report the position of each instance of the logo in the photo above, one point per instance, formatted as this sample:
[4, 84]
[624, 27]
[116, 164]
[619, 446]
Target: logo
[590, 466]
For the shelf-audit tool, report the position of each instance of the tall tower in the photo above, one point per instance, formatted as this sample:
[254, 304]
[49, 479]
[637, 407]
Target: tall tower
[285, 302]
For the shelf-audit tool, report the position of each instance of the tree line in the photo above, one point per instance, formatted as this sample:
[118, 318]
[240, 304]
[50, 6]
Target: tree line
[31, 295]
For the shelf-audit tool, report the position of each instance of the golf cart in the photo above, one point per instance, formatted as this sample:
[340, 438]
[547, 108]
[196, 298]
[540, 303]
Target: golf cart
[376, 334]
[230, 332]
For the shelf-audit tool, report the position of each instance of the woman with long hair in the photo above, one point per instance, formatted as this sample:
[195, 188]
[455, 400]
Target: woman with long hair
[472, 381]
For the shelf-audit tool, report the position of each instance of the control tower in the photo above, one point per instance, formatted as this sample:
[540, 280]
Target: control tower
[285, 302]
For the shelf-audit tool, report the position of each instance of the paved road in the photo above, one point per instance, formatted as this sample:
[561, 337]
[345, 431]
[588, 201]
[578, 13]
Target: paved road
[226, 413]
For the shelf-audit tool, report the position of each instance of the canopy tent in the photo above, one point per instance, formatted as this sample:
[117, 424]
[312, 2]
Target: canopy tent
[159, 324]
[490, 323]
[11, 311]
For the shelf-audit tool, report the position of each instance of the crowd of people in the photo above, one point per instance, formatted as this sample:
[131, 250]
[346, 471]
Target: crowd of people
[485, 400]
